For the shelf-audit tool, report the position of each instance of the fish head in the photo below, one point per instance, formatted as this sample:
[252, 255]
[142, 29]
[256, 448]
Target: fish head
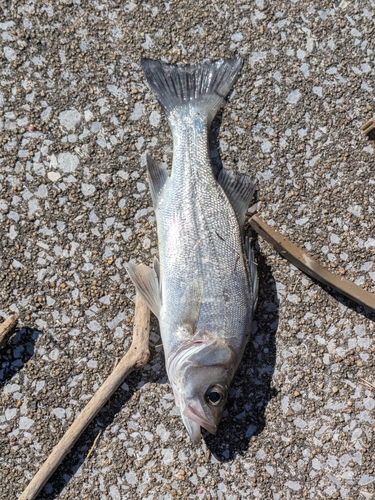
[200, 374]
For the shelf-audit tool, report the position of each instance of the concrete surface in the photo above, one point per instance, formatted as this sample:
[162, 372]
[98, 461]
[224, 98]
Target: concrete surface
[76, 119]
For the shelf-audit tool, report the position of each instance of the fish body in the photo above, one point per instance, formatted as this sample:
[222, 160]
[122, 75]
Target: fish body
[203, 289]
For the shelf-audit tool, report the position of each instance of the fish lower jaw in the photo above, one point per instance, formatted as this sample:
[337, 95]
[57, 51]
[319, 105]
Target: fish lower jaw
[200, 420]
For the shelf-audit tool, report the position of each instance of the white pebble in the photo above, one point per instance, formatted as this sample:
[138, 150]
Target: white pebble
[154, 119]
[25, 423]
[114, 492]
[117, 91]
[9, 53]
[146, 243]
[42, 191]
[293, 485]
[138, 111]
[59, 412]
[355, 210]
[39, 385]
[167, 455]
[131, 477]
[118, 333]
[294, 96]
[369, 243]
[53, 176]
[87, 189]
[68, 162]
[94, 326]
[260, 454]
[95, 127]
[10, 413]
[237, 37]
[298, 422]
[302, 221]
[54, 354]
[33, 206]
[365, 479]
[318, 91]
[69, 118]
[46, 114]
[148, 43]
[126, 234]
[88, 115]
[116, 320]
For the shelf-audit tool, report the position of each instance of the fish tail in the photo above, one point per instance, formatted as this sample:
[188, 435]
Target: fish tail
[204, 85]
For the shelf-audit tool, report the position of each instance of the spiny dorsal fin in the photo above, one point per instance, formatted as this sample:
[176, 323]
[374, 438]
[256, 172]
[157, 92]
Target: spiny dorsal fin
[157, 177]
[191, 305]
[147, 284]
[240, 189]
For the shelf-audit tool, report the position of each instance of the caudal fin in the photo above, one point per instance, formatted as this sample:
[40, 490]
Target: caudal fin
[205, 85]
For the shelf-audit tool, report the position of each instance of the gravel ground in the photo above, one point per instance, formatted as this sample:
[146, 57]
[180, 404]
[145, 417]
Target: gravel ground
[76, 119]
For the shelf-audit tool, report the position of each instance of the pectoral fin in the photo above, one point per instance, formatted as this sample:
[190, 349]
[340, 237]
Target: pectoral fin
[240, 189]
[192, 301]
[146, 282]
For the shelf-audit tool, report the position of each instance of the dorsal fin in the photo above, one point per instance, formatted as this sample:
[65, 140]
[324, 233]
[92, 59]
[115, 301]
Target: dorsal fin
[240, 189]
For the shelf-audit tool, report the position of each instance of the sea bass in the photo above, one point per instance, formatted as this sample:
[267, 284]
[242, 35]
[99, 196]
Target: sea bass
[203, 288]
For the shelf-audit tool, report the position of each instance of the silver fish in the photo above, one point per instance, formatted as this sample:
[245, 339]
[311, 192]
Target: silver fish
[204, 291]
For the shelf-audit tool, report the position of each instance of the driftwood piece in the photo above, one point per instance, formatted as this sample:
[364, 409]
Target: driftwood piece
[136, 357]
[6, 329]
[310, 266]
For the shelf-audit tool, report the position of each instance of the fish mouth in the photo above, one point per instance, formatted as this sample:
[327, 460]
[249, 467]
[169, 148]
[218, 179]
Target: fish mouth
[200, 418]
[193, 428]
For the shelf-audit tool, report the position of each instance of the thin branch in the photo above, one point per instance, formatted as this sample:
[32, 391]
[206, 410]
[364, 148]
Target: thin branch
[367, 384]
[94, 444]
[310, 266]
[7, 328]
[135, 358]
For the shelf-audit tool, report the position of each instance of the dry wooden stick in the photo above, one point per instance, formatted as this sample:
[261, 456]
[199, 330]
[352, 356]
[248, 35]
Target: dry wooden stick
[310, 266]
[6, 329]
[136, 357]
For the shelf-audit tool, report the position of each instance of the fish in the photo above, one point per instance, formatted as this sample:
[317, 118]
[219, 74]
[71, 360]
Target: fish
[204, 286]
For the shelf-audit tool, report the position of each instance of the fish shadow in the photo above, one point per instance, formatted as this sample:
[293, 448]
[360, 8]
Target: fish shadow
[251, 389]
[89, 440]
[19, 350]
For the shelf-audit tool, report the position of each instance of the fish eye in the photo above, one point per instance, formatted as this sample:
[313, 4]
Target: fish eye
[215, 395]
